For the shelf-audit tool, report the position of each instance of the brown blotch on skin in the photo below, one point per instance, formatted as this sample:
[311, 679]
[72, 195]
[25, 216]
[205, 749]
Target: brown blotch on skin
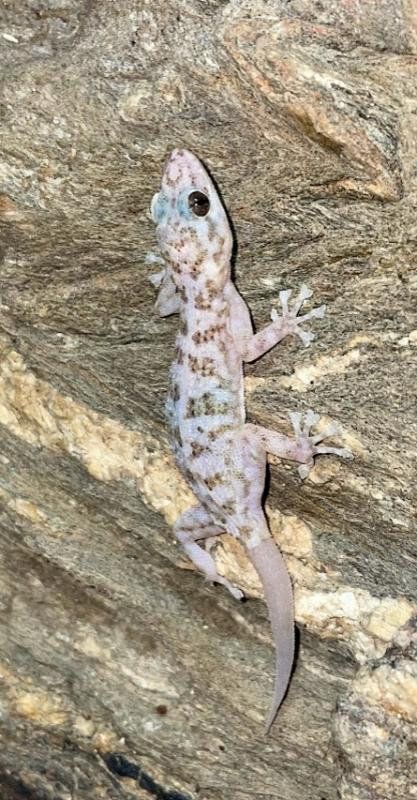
[216, 433]
[206, 367]
[198, 262]
[214, 480]
[197, 449]
[189, 476]
[206, 405]
[176, 435]
[199, 337]
[184, 327]
[212, 288]
[246, 487]
[192, 361]
[203, 337]
[179, 355]
[191, 408]
[202, 302]
[200, 258]
[211, 230]
[175, 392]
[229, 507]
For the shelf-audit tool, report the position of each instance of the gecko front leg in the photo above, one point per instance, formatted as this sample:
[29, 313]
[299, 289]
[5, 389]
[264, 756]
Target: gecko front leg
[281, 326]
[168, 301]
[192, 526]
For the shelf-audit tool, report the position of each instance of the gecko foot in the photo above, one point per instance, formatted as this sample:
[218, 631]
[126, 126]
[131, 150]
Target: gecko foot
[234, 591]
[311, 443]
[203, 559]
[290, 316]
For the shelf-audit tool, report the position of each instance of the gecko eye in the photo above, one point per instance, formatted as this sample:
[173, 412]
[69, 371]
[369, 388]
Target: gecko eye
[199, 203]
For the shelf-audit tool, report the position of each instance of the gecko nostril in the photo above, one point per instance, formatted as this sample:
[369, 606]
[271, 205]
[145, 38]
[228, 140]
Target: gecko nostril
[199, 203]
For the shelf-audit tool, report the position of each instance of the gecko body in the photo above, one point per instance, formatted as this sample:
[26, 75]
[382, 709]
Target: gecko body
[222, 456]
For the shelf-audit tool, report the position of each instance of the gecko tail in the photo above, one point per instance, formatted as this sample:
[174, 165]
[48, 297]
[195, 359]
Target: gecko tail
[276, 583]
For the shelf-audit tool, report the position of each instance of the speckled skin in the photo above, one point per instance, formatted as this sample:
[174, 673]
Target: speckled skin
[222, 457]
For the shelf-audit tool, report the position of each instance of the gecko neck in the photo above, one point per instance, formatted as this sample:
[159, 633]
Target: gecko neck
[207, 281]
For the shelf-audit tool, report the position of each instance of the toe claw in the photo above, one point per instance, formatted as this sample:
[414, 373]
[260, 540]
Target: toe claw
[305, 292]
[311, 419]
[305, 336]
[284, 297]
[295, 418]
[319, 312]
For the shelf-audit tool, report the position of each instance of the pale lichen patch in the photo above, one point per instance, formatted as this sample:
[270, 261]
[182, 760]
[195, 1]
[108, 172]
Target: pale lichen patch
[83, 726]
[388, 617]
[410, 340]
[89, 646]
[395, 690]
[292, 534]
[41, 707]
[105, 741]
[28, 509]
[368, 623]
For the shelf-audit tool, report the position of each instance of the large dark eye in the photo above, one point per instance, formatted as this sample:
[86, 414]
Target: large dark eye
[199, 203]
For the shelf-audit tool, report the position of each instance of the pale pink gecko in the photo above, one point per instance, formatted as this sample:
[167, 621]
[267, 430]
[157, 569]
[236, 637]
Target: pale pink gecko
[222, 456]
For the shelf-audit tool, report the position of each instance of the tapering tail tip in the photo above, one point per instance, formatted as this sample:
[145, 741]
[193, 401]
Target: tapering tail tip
[276, 583]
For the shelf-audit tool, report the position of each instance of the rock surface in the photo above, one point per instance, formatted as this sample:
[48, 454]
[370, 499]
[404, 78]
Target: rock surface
[121, 674]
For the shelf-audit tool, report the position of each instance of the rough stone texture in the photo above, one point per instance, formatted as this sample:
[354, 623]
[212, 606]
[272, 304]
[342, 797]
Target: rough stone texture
[121, 674]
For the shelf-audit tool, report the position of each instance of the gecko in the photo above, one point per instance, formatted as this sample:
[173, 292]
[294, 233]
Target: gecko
[222, 456]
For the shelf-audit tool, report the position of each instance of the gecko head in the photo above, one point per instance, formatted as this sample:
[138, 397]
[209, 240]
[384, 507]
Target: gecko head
[192, 226]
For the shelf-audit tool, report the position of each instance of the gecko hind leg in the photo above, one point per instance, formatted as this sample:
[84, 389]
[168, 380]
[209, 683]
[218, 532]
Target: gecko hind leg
[192, 526]
[304, 446]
